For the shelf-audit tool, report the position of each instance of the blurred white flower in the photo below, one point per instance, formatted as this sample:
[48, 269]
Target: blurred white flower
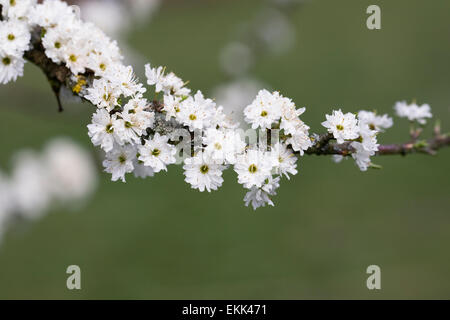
[63, 174]
[236, 58]
[114, 16]
[70, 170]
[109, 16]
[30, 187]
[275, 31]
[5, 203]
[374, 121]
[413, 111]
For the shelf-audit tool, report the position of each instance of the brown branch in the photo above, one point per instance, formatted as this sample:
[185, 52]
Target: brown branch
[426, 146]
[430, 147]
[343, 149]
[57, 74]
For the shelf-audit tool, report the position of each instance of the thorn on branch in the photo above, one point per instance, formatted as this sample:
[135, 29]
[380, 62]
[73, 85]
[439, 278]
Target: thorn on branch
[56, 88]
[57, 75]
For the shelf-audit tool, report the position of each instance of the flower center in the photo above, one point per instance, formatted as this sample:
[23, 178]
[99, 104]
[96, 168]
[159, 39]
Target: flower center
[128, 125]
[192, 117]
[122, 159]
[340, 127]
[109, 128]
[218, 146]
[156, 152]
[372, 126]
[264, 113]
[280, 159]
[11, 37]
[6, 61]
[106, 97]
[102, 66]
[73, 58]
[252, 168]
[12, 3]
[204, 169]
[57, 44]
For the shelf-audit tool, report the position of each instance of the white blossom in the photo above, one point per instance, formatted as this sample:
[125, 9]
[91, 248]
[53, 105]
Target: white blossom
[413, 111]
[285, 160]
[264, 110]
[253, 168]
[14, 37]
[137, 115]
[196, 112]
[17, 9]
[368, 137]
[260, 197]
[51, 13]
[103, 94]
[174, 85]
[203, 173]
[157, 153]
[155, 77]
[172, 106]
[119, 161]
[223, 145]
[11, 67]
[54, 42]
[374, 121]
[342, 126]
[300, 139]
[123, 77]
[362, 155]
[104, 130]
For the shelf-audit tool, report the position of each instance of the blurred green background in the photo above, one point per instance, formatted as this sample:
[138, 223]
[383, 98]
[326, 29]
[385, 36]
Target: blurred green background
[159, 239]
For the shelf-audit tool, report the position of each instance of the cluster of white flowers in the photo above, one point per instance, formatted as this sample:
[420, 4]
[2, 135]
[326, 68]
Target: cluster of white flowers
[40, 181]
[260, 171]
[413, 112]
[14, 38]
[361, 131]
[142, 136]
